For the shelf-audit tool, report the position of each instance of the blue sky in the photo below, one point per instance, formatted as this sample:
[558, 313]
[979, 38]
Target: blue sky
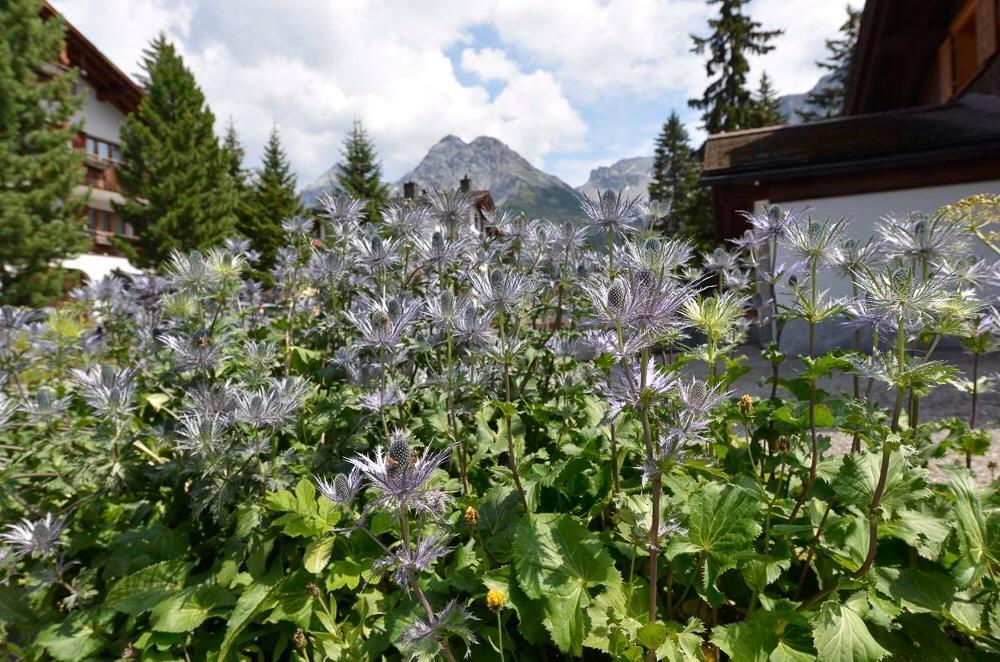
[570, 84]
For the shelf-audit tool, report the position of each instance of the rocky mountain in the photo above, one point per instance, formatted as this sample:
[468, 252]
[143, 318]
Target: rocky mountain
[630, 176]
[789, 104]
[493, 166]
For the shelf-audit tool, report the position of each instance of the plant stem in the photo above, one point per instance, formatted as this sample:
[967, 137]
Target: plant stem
[404, 530]
[511, 452]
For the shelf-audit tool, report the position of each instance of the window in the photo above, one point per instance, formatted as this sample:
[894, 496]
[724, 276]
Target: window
[971, 42]
[104, 222]
[103, 149]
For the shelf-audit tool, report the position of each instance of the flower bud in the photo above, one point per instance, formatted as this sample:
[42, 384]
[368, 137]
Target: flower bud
[746, 405]
[471, 516]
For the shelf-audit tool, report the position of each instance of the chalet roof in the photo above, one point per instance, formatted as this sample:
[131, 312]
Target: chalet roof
[966, 128]
[112, 84]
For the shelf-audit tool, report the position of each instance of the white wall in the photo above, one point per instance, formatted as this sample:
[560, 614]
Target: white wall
[863, 213]
[100, 119]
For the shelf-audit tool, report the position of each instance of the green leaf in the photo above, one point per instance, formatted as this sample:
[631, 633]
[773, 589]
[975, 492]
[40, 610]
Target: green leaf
[785, 653]
[841, 636]
[144, 589]
[749, 640]
[722, 522]
[317, 555]
[978, 537]
[344, 573]
[559, 562]
[186, 610]
[157, 400]
[859, 475]
[652, 635]
[258, 597]
[78, 637]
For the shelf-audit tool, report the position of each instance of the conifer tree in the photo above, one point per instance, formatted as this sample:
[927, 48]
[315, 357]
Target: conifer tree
[727, 104]
[175, 173]
[766, 109]
[360, 172]
[41, 221]
[271, 200]
[235, 155]
[675, 171]
[828, 100]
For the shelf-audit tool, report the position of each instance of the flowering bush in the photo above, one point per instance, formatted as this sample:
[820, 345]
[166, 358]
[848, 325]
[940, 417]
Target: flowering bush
[426, 442]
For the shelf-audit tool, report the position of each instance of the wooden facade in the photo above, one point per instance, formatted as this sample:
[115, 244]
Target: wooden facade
[922, 110]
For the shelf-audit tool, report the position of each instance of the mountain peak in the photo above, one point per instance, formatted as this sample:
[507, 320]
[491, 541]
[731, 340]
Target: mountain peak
[630, 176]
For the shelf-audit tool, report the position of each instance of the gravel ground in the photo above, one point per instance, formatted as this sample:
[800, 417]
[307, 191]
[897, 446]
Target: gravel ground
[943, 402]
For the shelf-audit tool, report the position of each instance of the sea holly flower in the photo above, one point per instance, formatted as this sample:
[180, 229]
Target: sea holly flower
[425, 637]
[500, 289]
[610, 212]
[34, 538]
[634, 387]
[929, 239]
[109, 391]
[406, 562]
[342, 489]
[402, 477]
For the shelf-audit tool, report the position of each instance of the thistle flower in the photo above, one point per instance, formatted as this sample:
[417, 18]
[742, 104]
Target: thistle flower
[298, 226]
[450, 208]
[200, 435]
[653, 211]
[629, 388]
[401, 477]
[343, 214]
[896, 297]
[110, 392]
[38, 538]
[45, 407]
[501, 289]
[424, 638]
[609, 212]
[406, 562]
[377, 253]
[342, 489]
[196, 353]
[272, 405]
[636, 308]
[384, 323]
[403, 221]
[771, 224]
[443, 310]
[472, 327]
[382, 398]
[930, 239]
[8, 407]
[814, 241]
[439, 251]
[719, 261]
[851, 255]
[241, 247]
[658, 256]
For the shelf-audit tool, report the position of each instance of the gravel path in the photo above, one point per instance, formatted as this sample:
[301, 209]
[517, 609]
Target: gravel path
[943, 402]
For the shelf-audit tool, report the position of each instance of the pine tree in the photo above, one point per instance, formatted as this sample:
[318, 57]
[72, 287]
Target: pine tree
[175, 173]
[828, 100]
[766, 108]
[272, 199]
[235, 155]
[360, 173]
[727, 104]
[41, 222]
[676, 170]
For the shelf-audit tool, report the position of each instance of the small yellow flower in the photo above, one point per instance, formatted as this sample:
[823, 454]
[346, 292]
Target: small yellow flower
[495, 599]
[746, 405]
[471, 516]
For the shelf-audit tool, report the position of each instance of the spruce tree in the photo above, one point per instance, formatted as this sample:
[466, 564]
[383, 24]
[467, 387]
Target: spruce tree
[235, 155]
[828, 100]
[727, 104]
[175, 173]
[675, 171]
[41, 221]
[360, 172]
[272, 199]
[766, 108]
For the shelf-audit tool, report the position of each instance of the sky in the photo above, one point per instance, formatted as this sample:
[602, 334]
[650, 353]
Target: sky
[569, 84]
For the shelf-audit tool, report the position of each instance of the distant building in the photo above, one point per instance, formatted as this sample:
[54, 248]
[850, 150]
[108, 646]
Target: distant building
[920, 130]
[109, 96]
[921, 125]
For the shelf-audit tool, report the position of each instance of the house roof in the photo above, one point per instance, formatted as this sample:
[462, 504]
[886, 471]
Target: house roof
[966, 128]
[112, 84]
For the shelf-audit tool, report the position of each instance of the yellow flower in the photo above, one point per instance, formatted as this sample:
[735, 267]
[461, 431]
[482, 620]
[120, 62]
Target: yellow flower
[471, 516]
[495, 599]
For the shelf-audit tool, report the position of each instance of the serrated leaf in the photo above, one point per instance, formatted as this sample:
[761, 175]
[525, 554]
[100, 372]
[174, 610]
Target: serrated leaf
[146, 588]
[559, 562]
[841, 636]
[859, 475]
[978, 540]
[722, 522]
[652, 635]
[749, 640]
[187, 609]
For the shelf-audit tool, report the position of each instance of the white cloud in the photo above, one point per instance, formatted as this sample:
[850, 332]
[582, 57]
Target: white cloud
[313, 67]
[488, 64]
